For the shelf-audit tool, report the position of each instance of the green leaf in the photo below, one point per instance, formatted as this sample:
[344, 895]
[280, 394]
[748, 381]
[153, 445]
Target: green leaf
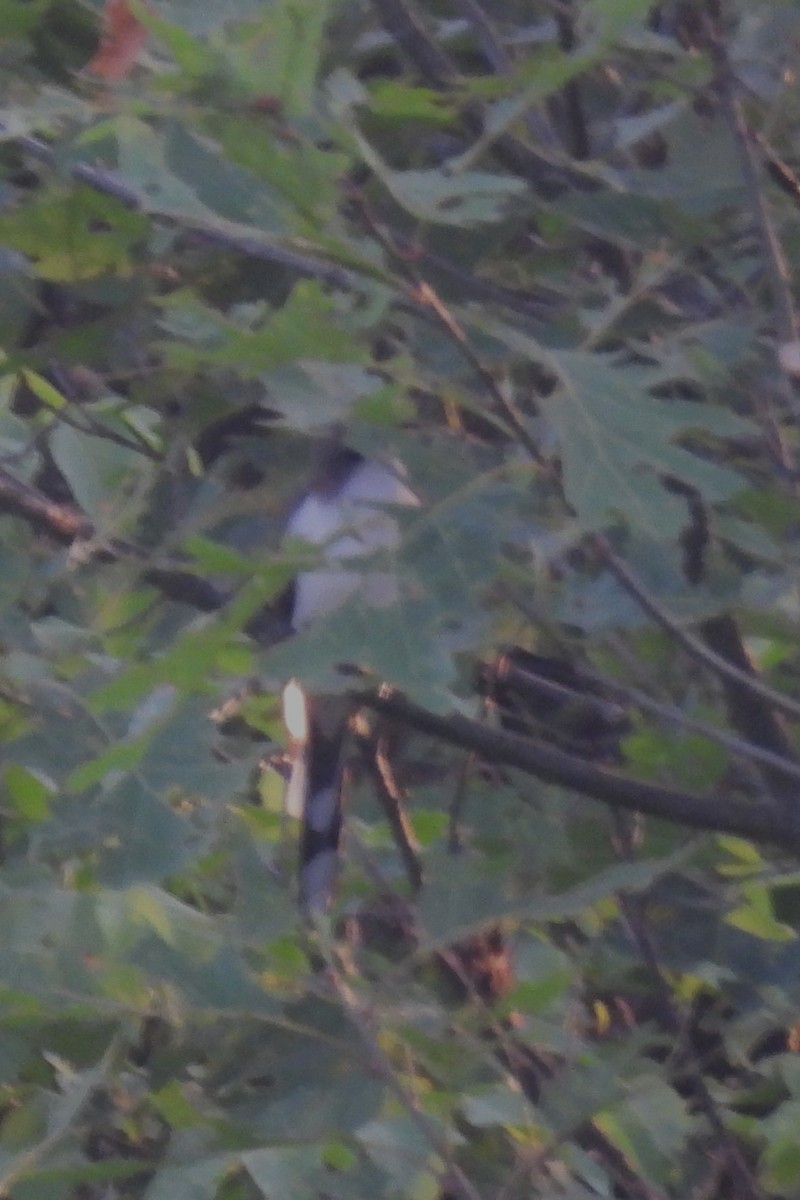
[396, 645]
[627, 218]
[172, 1102]
[756, 915]
[285, 1174]
[618, 442]
[291, 50]
[304, 328]
[312, 393]
[216, 558]
[75, 235]
[691, 139]
[98, 471]
[143, 840]
[200, 651]
[178, 175]
[193, 57]
[458, 900]
[691, 760]
[496, 1106]
[463, 198]
[402, 1149]
[392, 99]
[198, 1180]
[28, 793]
[649, 1126]
[613, 17]
[221, 186]
[42, 389]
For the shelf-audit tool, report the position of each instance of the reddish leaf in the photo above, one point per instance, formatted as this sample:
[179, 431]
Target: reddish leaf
[122, 38]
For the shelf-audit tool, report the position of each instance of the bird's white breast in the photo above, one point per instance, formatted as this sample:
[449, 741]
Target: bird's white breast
[349, 523]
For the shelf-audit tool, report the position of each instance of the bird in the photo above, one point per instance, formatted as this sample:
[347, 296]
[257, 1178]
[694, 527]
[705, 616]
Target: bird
[347, 513]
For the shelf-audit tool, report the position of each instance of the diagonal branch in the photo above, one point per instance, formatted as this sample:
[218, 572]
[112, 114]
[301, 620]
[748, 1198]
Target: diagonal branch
[687, 641]
[377, 760]
[722, 813]
[671, 714]
[61, 521]
[67, 525]
[777, 267]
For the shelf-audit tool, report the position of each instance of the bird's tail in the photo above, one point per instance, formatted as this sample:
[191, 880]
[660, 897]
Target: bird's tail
[318, 726]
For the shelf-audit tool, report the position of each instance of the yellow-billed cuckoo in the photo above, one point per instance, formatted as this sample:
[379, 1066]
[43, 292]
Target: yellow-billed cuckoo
[348, 514]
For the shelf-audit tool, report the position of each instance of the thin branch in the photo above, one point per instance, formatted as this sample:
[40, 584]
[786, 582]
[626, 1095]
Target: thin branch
[401, 21]
[751, 716]
[572, 102]
[393, 801]
[778, 170]
[776, 263]
[62, 521]
[84, 422]
[722, 813]
[672, 715]
[687, 641]
[455, 841]
[537, 686]
[426, 296]
[67, 524]
[487, 37]
[777, 267]
[108, 183]
[540, 302]
[230, 238]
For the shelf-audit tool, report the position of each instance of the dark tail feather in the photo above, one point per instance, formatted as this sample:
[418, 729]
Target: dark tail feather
[317, 784]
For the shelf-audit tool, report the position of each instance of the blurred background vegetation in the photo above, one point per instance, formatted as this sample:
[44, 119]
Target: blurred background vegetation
[540, 253]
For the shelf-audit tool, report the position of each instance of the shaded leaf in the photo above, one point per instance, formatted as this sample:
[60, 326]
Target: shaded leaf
[618, 442]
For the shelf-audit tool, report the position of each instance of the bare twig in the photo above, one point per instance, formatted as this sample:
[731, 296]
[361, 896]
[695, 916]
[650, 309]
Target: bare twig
[425, 294]
[778, 170]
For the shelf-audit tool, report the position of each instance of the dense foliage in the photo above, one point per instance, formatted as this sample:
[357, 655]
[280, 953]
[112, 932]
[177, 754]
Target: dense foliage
[539, 252]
